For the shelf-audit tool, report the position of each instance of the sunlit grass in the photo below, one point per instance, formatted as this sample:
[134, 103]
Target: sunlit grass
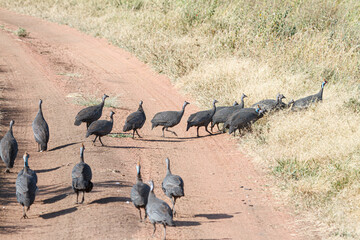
[221, 49]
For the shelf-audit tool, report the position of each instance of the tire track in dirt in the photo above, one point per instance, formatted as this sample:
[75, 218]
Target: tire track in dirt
[212, 168]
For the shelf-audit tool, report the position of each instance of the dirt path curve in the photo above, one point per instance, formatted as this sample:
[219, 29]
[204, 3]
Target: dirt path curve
[56, 61]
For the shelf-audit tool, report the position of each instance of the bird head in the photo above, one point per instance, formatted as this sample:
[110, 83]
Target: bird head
[243, 96]
[26, 158]
[138, 167]
[324, 83]
[258, 109]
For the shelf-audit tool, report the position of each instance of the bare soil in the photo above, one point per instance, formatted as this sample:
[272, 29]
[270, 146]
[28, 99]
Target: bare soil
[227, 197]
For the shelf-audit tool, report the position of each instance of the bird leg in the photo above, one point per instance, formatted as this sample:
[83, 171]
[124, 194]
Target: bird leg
[145, 215]
[163, 132]
[77, 197]
[164, 231]
[38, 147]
[95, 140]
[171, 131]
[154, 224]
[24, 216]
[218, 127]
[208, 130]
[101, 141]
[140, 214]
[133, 134]
[173, 200]
[7, 170]
[197, 131]
[137, 133]
[87, 125]
[83, 198]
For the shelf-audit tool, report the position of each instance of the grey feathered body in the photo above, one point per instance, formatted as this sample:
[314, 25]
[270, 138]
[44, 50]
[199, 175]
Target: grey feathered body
[26, 187]
[173, 186]
[159, 211]
[202, 118]
[81, 177]
[305, 102]
[167, 118]
[100, 128]
[139, 194]
[135, 120]
[270, 104]
[41, 130]
[223, 114]
[89, 114]
[8, 148]
[243, 119]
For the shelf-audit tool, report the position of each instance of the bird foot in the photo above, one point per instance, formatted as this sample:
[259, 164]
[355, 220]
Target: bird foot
[24, 217]
[7, 170]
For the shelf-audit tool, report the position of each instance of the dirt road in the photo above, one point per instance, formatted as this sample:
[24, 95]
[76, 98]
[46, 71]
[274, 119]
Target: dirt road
[226, 196]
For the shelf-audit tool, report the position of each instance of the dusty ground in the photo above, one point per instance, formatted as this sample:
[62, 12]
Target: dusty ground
[226, 196]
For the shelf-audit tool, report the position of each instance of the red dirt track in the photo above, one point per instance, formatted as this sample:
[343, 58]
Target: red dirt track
[225, 195]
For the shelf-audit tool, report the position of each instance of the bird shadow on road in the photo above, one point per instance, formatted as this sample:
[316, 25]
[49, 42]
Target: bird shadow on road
[47, 170]
[125, 147]
[215, 216]
[189, 138]
[55, 198]
[107, 200]
[158, 140]
[58, 213]
[63, 146]
[186, 223]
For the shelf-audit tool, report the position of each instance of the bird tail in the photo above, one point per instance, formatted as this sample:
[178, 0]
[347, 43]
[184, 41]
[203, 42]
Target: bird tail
[188, 126]
[231, 129]
[77, 122]
[153, 125]
[127, 127]
[89, 187]
[43, 146]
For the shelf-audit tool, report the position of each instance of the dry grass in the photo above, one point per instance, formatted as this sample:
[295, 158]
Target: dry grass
[220, 49]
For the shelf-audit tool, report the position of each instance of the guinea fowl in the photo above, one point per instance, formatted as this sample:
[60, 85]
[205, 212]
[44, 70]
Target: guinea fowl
[173, 186]
[135, 120]
[90, 114]
[168, 119]
[271, 104]
[139, 192]
[244, 119]
[41, 130]
[8, 148]
[81, 177]
[202, 118]
[158, 211]
[221, 115]
[305, 102]
[26, 186]
[100, 128]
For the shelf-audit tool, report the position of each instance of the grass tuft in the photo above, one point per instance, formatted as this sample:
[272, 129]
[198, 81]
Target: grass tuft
[221, 49]
[21, 32]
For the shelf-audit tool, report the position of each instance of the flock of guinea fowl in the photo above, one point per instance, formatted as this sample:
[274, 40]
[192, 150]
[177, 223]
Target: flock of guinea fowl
[234, 118]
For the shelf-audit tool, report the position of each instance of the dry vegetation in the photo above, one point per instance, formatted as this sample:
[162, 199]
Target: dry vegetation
[220, 49]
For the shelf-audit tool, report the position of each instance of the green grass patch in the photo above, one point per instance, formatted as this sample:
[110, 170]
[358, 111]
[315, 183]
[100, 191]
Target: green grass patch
[21, 32]
[120, 135]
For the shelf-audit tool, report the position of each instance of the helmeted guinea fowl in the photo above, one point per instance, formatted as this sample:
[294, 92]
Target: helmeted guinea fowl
[81, 177]
[244, 119]
[168, 119]
[135, 120]
[9, 148]
[271, 104]
[100, 128]
[221, 115]
[90, 114]
[26, 186]
[158, 211]
[139, 192]
[202, 118]
[41, 130]
[305, 102]
[172, 185]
